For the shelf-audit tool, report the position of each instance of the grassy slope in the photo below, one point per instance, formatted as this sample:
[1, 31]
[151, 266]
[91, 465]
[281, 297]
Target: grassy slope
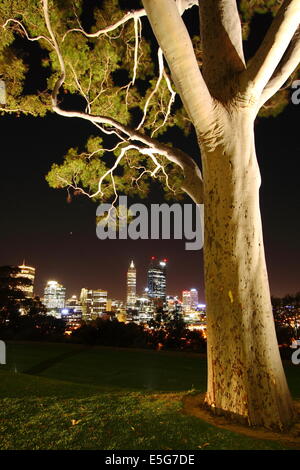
[104, 398]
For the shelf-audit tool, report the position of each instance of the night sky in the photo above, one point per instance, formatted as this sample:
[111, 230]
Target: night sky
[39, 225]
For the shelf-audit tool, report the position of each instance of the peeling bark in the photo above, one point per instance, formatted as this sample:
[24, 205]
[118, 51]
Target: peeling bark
[245, 374]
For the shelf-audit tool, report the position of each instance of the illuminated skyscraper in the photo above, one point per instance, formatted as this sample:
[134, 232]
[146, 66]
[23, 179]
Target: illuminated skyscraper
[186, 300]
[27, 272]
[94, 303]
[131, 285]
[157, 278]
[189, 299]
[54, 297]
[194, 298]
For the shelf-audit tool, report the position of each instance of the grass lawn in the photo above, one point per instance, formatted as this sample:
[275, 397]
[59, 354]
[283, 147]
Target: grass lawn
[60, 396]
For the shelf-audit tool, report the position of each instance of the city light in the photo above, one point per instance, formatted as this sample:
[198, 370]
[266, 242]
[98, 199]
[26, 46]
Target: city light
[92, 304]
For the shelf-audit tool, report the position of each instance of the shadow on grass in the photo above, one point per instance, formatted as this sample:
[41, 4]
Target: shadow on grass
[44, 365]
[108, 367]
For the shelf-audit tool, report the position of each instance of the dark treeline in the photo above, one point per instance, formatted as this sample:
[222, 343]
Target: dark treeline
[287, 300]
[172, 335]
[105, 332]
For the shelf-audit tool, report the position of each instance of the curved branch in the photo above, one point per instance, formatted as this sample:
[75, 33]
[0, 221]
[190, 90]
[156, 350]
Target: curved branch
[36, 38]
[184, 5]
[131, 15]
[193, 180]
[175, 42]
[193, 184]
[274, 45]
[154, 91]
[61, 80]
[288, 64]
[162, 74]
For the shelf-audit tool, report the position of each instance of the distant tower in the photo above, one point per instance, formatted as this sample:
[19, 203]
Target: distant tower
[131, 285]
[189, 299]
[28, 273]
[94, 303]
[54, 297]
[194, 298]
[157, 278]
[186, 300]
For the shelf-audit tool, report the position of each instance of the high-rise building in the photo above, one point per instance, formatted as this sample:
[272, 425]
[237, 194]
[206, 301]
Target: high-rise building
[27, 272]
[173, 304]
[157, 279]
[54, 297]
[94, 303]
[72, 313]
[194, 298]
[131, 285]
[189, 299]
[72, 302]
[186, 300]
[72, 305]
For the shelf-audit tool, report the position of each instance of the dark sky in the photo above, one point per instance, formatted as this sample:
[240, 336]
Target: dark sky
[59, 238]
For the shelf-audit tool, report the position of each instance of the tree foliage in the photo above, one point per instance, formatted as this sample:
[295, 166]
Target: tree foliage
[117, 74]
[20, 316]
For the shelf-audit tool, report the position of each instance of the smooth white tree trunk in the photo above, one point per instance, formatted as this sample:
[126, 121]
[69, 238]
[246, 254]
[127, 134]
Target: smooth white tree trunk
[245, 374]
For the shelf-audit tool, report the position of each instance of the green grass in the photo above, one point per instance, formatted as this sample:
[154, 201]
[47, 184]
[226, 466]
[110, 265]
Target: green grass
[106, 398]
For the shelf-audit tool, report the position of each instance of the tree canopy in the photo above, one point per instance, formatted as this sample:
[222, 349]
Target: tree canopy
[100, 61]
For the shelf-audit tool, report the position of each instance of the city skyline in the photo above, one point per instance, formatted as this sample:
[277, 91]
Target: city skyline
[141, 282]
[71, 293]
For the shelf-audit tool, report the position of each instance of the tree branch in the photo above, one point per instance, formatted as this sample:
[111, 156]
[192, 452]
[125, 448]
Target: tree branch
[221, 37]
[131, 15]
[286, 67]
[263, 64]
[37, 38]
[193, 184]
[193, 179]
[184, 5]
[175, 42]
